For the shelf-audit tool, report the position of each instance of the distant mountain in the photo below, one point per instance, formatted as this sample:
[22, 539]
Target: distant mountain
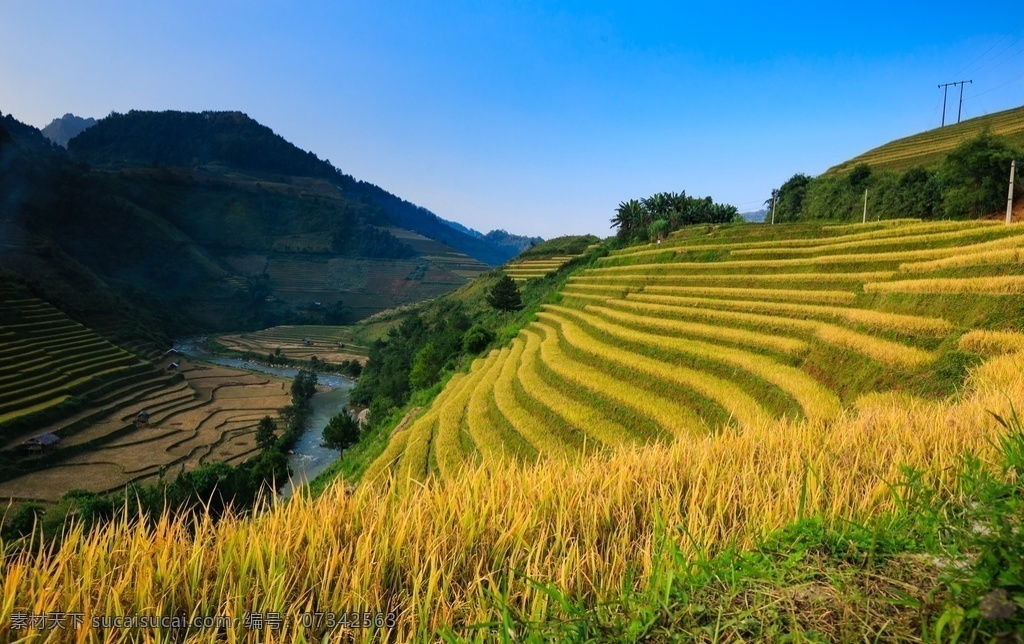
[232, 139]
[517, 243]
[754, 216]
[67, 127]
[509, 243]
[472, 232]
[211, 222]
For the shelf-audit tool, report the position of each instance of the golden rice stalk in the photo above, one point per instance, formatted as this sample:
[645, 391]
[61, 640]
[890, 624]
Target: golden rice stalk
[801, 295]
[991, 342]
[895, 354]
[486, 436]
[866, 245]
[816, 400]
[436, 554]
[587, 420]
[912, 324]
[1000, 285]
[891, 232]
[384, 465]
[749, 279]
[848, 258]
[526, 424]
[448, 449]
[729, 396]
[999, 257]
[414, 464]
[675, 417]
[781, 344]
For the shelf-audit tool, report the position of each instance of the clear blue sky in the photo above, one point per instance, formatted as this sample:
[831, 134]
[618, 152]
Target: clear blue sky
[536, 117]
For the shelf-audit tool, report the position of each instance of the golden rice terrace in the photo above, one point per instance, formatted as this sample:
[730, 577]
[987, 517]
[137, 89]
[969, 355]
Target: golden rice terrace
[729, 327]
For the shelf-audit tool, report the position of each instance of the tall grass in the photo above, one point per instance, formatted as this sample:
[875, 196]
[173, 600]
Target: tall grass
[449, 555]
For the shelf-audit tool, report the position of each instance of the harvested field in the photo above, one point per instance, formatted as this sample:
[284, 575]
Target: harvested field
[208, 417]
[328, 343]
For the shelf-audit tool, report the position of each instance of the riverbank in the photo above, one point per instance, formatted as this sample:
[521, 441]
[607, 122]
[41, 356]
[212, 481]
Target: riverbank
[307, 458]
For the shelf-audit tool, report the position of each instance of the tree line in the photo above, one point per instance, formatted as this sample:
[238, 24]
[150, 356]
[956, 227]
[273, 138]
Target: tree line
[654, 217]
[970, 182]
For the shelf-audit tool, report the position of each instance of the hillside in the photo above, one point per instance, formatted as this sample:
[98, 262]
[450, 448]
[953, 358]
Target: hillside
[744, 433]
[728, 327]
[930, 148]
[233, 141]
[217, 223]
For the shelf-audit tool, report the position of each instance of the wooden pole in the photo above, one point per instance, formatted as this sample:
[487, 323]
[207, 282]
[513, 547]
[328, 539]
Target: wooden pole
[865, 206]
[1009, 195]
[774, 197]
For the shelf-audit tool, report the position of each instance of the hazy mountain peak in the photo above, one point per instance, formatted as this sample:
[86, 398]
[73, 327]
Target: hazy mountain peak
[67, 127]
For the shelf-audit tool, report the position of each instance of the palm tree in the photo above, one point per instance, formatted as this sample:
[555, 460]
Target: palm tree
[629, 217]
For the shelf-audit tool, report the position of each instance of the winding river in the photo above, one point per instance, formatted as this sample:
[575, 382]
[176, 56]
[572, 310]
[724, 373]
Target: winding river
[308, 458]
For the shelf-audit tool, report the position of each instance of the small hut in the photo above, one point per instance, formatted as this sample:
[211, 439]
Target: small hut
[41, 443]
[142, 418]
[173, 366]
[307, 341]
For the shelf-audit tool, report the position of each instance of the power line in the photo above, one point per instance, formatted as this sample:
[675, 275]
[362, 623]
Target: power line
[1009, 82]
[984, 53]
[991, 47]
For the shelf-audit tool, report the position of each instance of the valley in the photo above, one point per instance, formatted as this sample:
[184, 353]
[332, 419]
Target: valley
[697, 428]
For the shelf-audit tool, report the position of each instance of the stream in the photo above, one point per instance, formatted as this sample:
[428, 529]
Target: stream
[307, 458]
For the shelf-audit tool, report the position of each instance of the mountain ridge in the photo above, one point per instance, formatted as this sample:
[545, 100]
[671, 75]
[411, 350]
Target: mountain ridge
[217, 226]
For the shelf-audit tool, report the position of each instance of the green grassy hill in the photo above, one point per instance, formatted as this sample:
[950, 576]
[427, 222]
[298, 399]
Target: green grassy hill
[930, 148]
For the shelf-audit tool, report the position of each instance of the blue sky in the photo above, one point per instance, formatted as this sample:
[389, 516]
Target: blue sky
[536, 117]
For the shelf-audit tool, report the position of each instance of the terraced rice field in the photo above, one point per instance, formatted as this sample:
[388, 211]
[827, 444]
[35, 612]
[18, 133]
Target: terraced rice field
[530, 268]
[929, 147]
[326, 343]
[208, 417]
[725, 327]
[46, 358]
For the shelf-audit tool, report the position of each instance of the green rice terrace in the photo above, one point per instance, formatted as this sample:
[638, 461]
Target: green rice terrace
[729, 326]
[116, 418]
[531, 268]
[46, 359]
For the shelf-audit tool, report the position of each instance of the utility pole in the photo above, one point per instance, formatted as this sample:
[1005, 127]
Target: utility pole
[1009, 196]
[944, 89]
[865, 206]
[774, 197]
[960, 109]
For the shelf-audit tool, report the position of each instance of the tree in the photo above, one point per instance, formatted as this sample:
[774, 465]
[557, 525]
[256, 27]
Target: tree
[342, 431]
[658, 229]
[790, 204]
[303, 385]
[265, 435]
[426, 366]
[974, 176]
[628, 217]
[476, 339]
[504, 296]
